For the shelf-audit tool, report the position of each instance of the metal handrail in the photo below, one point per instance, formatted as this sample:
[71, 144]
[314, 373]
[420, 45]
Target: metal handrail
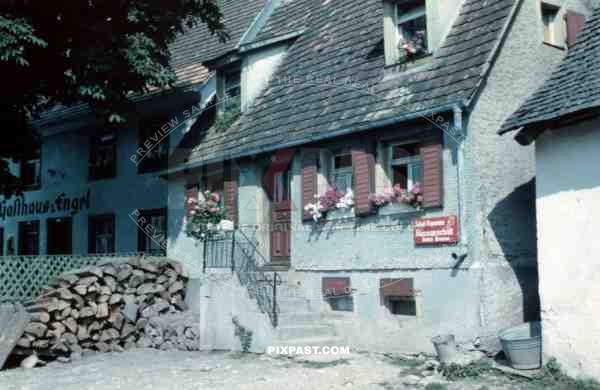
[250, 274]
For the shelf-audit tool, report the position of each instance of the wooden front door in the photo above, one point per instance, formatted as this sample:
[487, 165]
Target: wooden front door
[281, 218]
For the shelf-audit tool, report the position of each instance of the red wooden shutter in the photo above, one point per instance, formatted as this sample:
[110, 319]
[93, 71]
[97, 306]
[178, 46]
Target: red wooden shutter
[575, 22]
[230, 192]
[335, 287]
[309, 182]
[363, 164]
[433, 184]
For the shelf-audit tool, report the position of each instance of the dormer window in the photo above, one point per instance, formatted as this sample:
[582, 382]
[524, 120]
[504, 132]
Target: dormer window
[411, 24]
[405, 31]
[553, 27]
[229, 91]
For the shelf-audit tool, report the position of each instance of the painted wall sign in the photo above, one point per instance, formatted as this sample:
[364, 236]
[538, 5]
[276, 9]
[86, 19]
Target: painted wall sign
[62, 203]
[437, 230]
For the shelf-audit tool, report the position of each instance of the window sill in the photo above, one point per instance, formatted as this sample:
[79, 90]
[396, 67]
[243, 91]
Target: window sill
[340, 214]
[554, 46]
[401, 69]
[398, 209]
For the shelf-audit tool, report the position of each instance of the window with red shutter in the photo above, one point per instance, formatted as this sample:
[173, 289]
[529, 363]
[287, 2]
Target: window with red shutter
[432, 186]
[575, 22]
[309, 182]
[398, 296]
[338, 293]
[230, 192]
[363, 166]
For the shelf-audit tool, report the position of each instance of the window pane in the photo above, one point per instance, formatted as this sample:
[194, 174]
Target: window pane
[400, 175]
[401, 305]
[343, 180]
[343, 161]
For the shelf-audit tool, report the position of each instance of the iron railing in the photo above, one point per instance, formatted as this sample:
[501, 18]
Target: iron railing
[237, 252]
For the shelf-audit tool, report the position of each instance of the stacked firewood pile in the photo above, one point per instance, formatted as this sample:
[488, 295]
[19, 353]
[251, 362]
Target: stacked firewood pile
[111, 307]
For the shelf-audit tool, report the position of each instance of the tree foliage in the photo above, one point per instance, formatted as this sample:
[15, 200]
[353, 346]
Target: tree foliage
[98, 52]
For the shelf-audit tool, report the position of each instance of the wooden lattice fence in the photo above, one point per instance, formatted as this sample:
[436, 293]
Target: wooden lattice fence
[23, 277]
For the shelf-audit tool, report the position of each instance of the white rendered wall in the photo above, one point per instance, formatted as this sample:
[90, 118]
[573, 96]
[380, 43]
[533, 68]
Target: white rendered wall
[568, 217]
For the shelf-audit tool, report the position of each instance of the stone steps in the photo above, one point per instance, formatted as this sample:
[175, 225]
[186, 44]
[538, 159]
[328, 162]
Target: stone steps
[305, 331]
[317, 341]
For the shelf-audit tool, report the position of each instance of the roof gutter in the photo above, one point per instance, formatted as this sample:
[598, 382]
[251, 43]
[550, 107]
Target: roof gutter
[453, 107]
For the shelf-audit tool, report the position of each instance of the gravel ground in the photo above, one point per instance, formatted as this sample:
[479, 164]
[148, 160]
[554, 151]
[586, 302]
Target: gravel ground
[162, 370]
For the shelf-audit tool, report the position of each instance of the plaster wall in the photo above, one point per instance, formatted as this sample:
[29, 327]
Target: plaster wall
[568, 211]
[500, 174]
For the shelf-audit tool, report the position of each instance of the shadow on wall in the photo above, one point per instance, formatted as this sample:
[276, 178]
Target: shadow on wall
[513, 221]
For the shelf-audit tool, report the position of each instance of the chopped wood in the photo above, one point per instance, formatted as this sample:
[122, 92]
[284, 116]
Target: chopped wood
[109, 307]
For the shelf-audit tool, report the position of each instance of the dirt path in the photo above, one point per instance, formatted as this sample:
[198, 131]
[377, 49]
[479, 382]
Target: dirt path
[161, 370]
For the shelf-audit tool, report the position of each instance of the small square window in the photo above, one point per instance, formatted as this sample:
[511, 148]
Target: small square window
[338, 293]
[551, 23]
[397, 295]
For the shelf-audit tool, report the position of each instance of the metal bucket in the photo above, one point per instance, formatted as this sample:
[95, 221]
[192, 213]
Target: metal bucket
[446, 348]
[522, 345]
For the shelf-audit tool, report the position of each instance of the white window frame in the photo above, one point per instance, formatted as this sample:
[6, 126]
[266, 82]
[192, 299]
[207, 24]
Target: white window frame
[347, 172]
[408, 161]
[555, 26]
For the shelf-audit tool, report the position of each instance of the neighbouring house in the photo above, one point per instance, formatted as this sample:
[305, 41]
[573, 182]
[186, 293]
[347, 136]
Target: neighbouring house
[562, 118]
[90, 184]
[354, 147]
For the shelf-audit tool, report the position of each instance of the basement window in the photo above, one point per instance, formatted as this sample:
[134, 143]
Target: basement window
[338, 294]
[397, 295]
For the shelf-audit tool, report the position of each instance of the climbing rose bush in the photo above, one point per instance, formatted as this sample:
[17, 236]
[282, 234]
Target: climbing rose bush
[207, 217]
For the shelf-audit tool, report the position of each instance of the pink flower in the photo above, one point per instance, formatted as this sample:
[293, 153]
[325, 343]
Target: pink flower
[398, 189]
[416, 188]
[216, 197]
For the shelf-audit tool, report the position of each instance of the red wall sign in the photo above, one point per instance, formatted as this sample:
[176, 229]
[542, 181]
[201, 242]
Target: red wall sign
[438, 230]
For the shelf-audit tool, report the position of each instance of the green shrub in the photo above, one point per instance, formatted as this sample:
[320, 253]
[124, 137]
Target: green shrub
[455, 372]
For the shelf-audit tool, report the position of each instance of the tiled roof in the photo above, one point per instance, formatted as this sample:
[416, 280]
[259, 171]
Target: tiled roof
[289, 16]
[343, 40]
[190, 50]
[573, 87]
[198, 46]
